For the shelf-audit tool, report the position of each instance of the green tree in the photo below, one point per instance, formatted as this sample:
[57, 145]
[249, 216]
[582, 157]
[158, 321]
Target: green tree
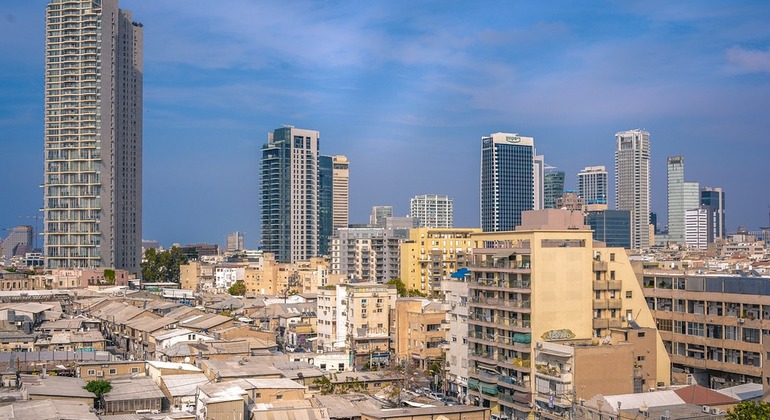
[99, 388]
[750, 410]
[325, 385]
[400, 286]
[109, 276]
[162, 266]
[237, 289]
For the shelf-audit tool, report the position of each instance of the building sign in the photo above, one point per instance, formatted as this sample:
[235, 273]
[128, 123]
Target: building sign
[513, 139]
[564, 334]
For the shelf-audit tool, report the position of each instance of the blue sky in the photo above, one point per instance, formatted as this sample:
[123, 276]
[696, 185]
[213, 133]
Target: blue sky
[406, 90]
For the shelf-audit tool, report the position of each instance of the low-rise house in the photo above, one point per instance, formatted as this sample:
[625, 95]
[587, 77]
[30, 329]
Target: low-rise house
[17, 341]
[180, 390]
[140, 330]
[167, 338]
[73, 341]
[45, 387]
[109, 370]
[47, 409]
[270, 390]
[157, 370]
[206, 322]
[245, 367]
[347, 406]
[368, 382]
[453, 412]
[220, 401]
[131, 395]
[301, 372]
[70, 324]
[288, 410]
[192, 351]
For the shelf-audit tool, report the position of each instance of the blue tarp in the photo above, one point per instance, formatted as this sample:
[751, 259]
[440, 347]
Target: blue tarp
[460, 273]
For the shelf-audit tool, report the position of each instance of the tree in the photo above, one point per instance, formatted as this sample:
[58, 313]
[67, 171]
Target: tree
[400, 286]
[99, 388]
[237, 289]
[325, 385]
[750, 410]
[162, 266]
[109, 276]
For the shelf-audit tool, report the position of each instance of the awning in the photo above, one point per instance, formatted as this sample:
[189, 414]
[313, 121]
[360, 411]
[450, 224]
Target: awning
[489, 389]
[522, 338]
[504, 254]
[473, 384]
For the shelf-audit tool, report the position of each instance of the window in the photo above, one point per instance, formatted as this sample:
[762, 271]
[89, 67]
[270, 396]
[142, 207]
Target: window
[640, 358]
[612, 256]
[629, 294]
[92, 372]
[341, 366]
[113, 371]
[257, 395]
[279, 397]
[640, 335]
[134, 370]
[323, 365]
[612, 274]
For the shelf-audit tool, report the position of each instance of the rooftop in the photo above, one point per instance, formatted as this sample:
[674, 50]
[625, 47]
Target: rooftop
[134, 388]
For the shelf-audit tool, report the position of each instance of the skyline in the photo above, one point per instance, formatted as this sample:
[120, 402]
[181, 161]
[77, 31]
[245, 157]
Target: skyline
[385, 84]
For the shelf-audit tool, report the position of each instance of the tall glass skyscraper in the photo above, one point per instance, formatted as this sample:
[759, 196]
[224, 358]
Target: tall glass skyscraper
[682, 196]
[553, 187]
[713, 199]
[93, 136]
[632, 182]
[325, 203]
[290, 194]
[507, 180]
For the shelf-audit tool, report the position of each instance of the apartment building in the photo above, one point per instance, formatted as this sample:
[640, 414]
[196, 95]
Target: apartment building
[548, 283]
[367, 253]
[455, 291]
[432, 255]
[356, 317]
[713, 325]
[420, 330]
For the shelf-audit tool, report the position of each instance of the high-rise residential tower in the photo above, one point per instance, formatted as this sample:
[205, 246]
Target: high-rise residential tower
[290, 194]
[632, 182]
[235, 242]
[507, 180]
[340, 191]
[593, 186]
[379, 214]
[713, 199]
[432, 210]
[553, 187]
[682, 196]
[93, 136]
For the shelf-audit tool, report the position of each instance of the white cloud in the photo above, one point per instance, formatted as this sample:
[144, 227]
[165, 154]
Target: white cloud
[742, 60]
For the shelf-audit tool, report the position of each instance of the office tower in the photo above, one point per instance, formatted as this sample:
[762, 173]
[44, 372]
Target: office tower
[538, 182]
[613, 227]
[19, 242]
[593, 187]
[431, 210]
[654, 221]
[543, 303]
[714, 200]
[234, 242]
[93, 136]
[341, 194]
[682, 196]
[325, 203]
[379, 214]
[507, 180]
[290, 194]
[632, 182]
[697, 228]
[553, 187]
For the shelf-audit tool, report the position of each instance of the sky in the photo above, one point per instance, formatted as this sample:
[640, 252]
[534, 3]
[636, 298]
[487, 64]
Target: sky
[406, 90]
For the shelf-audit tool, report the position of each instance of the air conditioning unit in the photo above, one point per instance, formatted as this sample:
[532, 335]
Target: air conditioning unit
[706, 409]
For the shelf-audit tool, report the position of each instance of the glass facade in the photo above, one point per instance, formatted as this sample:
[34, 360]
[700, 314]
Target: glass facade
[325, 203]
[507, 181]
[553, 188]
[613, 227]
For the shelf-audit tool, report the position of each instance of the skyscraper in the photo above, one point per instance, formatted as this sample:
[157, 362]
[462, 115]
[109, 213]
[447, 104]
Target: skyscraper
[290, 194]
[432, 210]
[379, 214]
[507, 180]
[632, 182]
[713, 199]
[697, 228]
[18, 242]
[93, 136]
[593, 186]
[538, 182]
[341, 195]
[325, 203]
[682, 196]
[234, 242]
[553, 187]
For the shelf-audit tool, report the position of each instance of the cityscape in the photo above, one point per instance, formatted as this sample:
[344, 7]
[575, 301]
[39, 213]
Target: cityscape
[470, 238]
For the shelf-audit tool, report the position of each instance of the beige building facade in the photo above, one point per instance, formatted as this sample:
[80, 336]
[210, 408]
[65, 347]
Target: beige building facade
[546, 282]
[431, 255]
[420, 327]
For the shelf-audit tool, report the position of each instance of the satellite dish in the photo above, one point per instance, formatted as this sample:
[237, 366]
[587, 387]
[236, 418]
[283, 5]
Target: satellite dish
[187, 359]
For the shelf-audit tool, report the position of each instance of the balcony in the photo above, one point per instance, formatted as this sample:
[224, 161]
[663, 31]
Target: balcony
[600, 266]
[600, 304]
[615, 304]
[614, 285]
[600, 284]
[601, 323]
